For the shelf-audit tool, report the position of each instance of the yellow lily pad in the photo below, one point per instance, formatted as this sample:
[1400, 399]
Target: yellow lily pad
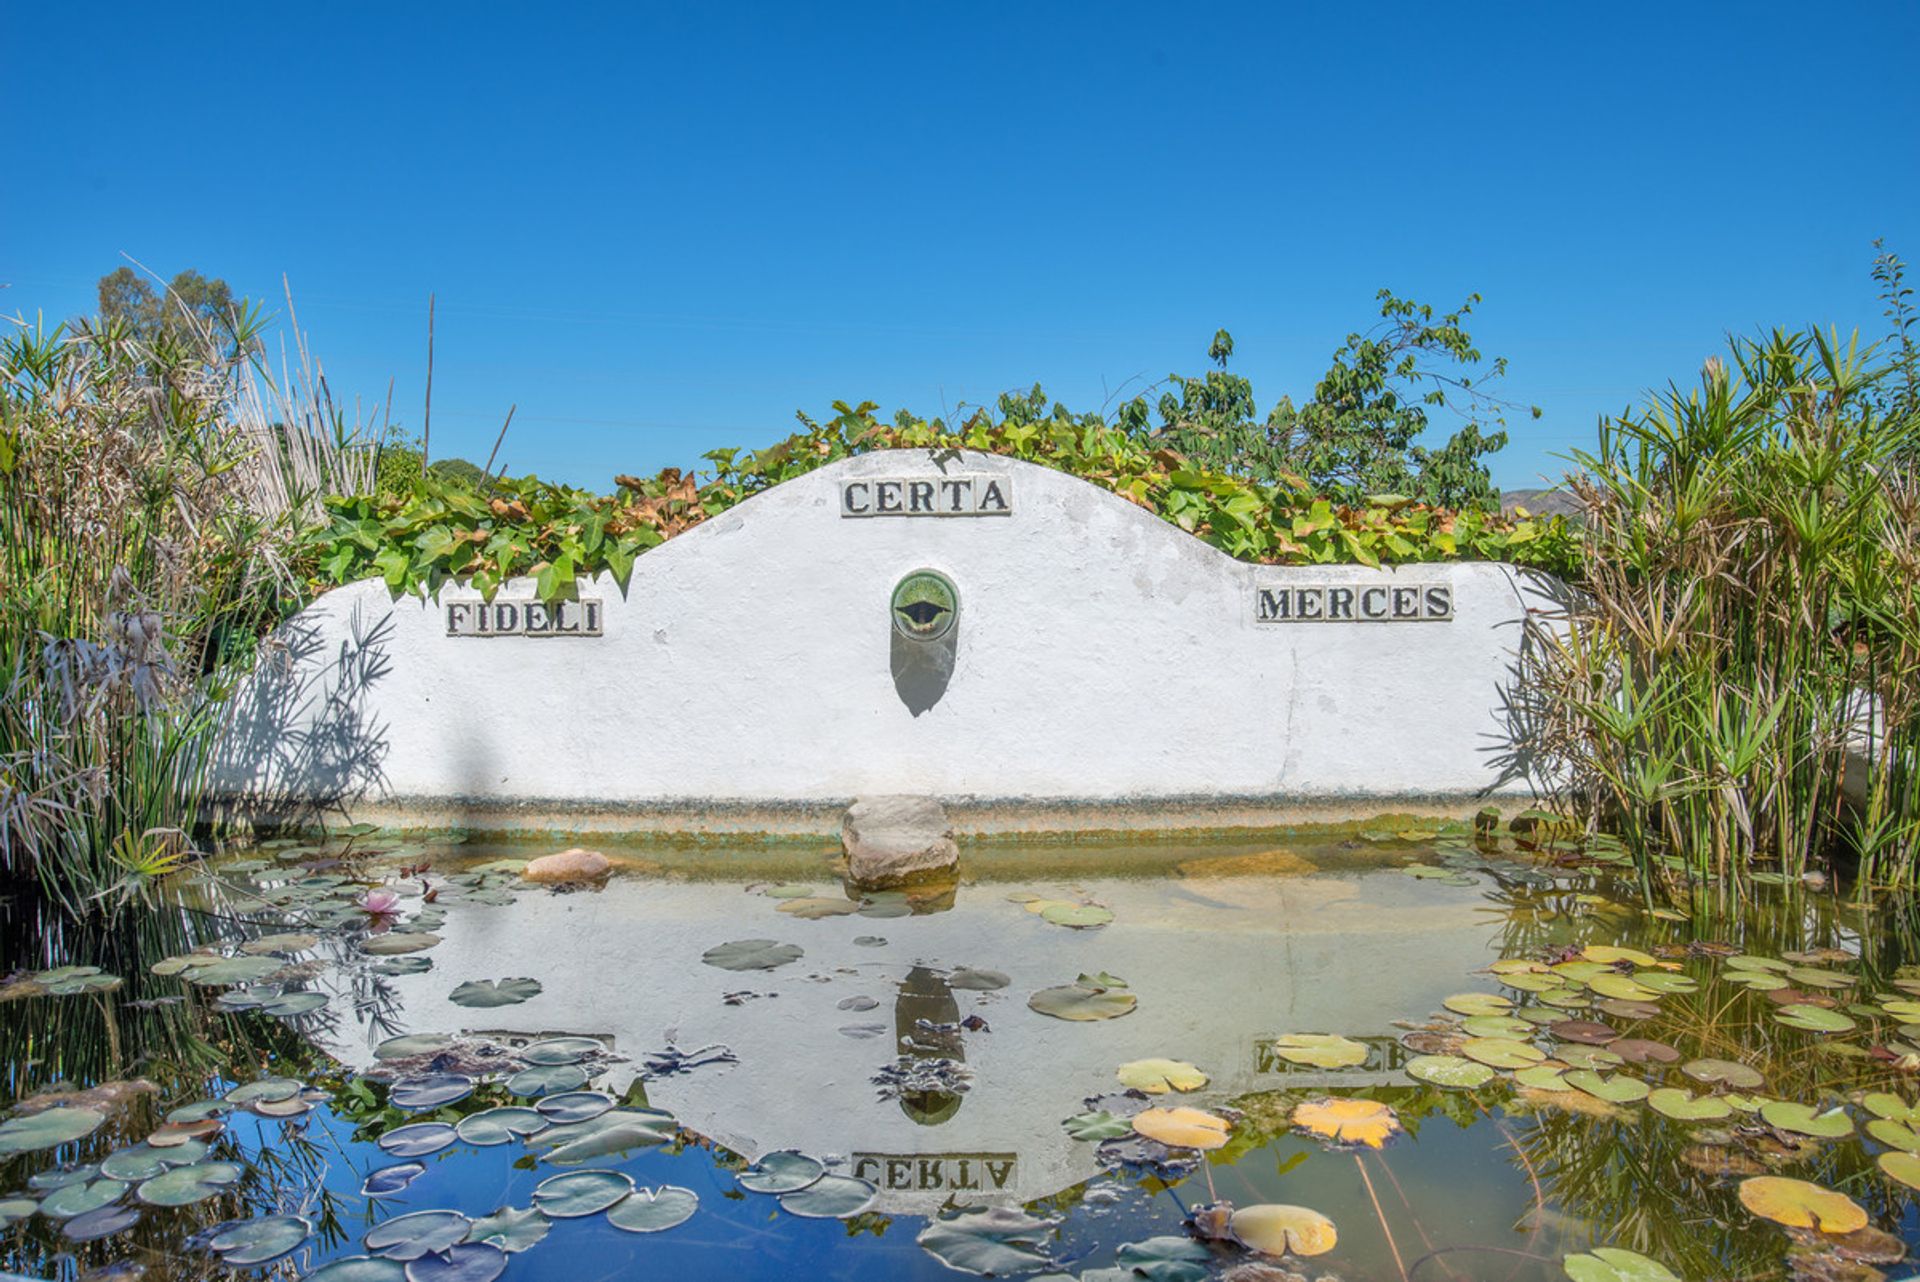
[1182, 1127]
[1272, 1228]
[1158, 1076]
[1348, 1121]
[1801, 1205]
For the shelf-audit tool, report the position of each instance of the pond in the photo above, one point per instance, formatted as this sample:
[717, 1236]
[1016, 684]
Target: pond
[1375, 1055]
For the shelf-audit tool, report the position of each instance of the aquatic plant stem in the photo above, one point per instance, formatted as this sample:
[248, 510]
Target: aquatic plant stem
[1375, 1199]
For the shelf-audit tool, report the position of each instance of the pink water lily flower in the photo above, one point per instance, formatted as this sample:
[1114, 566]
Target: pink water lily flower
[380, 903]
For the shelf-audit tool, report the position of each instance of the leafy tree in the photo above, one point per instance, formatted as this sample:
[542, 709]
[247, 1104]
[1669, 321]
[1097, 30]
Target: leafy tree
[128, 298]
[1360, 433]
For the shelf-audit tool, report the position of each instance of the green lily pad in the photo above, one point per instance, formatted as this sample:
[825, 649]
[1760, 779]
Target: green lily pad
[1158, 1076]
[186, 1185]
[1683, 1106]
[558, 1050]
[78, 1199]
[101, 1222]
[498, 1125]
[574, 1106]
[359, 1268]
[831, 1197]
[653, 1210]
[511, 1229]
[617, 1132]
[1894, 1134]
[463, 1262]
[1815, 1019]
[1078, 916]
[787, 890]
[1165, 1259]
[781, 1172]
[1478, 1004]
[1500, 1052]
[283, 943]
[408, 1237]
[546, 1079]
[287, 1005]
[751, 954]
[580, 1193]
[410, 1045]
[1902, 1166]
[969, 979]
[1800, 1119]
[418, 1139]
[1496, 1026]
[233, 970]
[265, 1090]
[69, 981]
[48, 1129]
[494, 992]
[1723, 1072]
[1612, 1264]
[395, 942]
[814, 908]
[16, 1210]
[1098, 1125]
[423, 1091]
[1542, 1077]
[1320, 1050]
[1081, 1004]
[1618, 1089]
[1449, 1070]
[259, 1241]
[996, 1241]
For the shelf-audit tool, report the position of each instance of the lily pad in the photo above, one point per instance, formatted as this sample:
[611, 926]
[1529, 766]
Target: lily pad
[618, 1131]
[393, 943]
[466, 1262]
[429, 1090]
[1895, 1134]
[1902, 1166]
[1500, 1052]
[408, 1237]
[1618, 1089]
[1683, 1106]
[1098, 1124]
[831, 1197]
[498, 1125]
[574, 1106]
[186, 1185]
[48, 1129]
[558, 1050]
[1608, 955]
[969, 979]
[1320, 1050]
[388, 1180]
[652, 1210]
[580, 1193]
[1723, 1072]
[1348, 1121]
[1182, 1127]
[784, 1171]
[512, 1229]
[78, 1199]
[546, 1079]
[1449, 1070]
[264, 1090]
[814, 908]
[1158, 1076]
[1276, 1229]
[259, 1241]
[1612, 1264]
[287, 1005]
[359, 1268]
[100, 1223]
[1078, 916]
[1800, 1205]
[996, 1241]
[1800, 1119]
[751, 954]
[1081, 1004]
[418, 1140]
[483, 993]
[1478, 1004]
[1542, 1077]
[1164, 1259]
[409, 1045]
[1815, 1019]
[16, 1210]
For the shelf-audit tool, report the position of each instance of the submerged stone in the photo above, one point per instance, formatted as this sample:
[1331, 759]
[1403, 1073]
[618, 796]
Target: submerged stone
[573, 865]
[892, 841]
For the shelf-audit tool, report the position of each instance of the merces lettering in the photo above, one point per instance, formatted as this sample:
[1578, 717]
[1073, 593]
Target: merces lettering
[1354, 603]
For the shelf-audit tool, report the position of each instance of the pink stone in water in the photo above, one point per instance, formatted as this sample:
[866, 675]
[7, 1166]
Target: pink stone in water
[569, 865]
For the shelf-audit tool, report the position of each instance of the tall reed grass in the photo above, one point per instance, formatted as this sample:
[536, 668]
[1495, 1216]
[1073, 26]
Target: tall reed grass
[150, 491]
[1749, 620]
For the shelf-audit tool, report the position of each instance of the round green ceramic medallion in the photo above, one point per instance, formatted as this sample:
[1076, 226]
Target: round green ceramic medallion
[925, 605]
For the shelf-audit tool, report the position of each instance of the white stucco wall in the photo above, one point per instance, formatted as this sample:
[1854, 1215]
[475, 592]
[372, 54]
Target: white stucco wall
[1100, 655]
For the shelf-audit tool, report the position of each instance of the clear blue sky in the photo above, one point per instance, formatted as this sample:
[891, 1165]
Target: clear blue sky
[663, 229]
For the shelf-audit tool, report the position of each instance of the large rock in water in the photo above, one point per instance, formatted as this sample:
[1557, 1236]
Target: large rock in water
[894, 840]
[568, 866]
